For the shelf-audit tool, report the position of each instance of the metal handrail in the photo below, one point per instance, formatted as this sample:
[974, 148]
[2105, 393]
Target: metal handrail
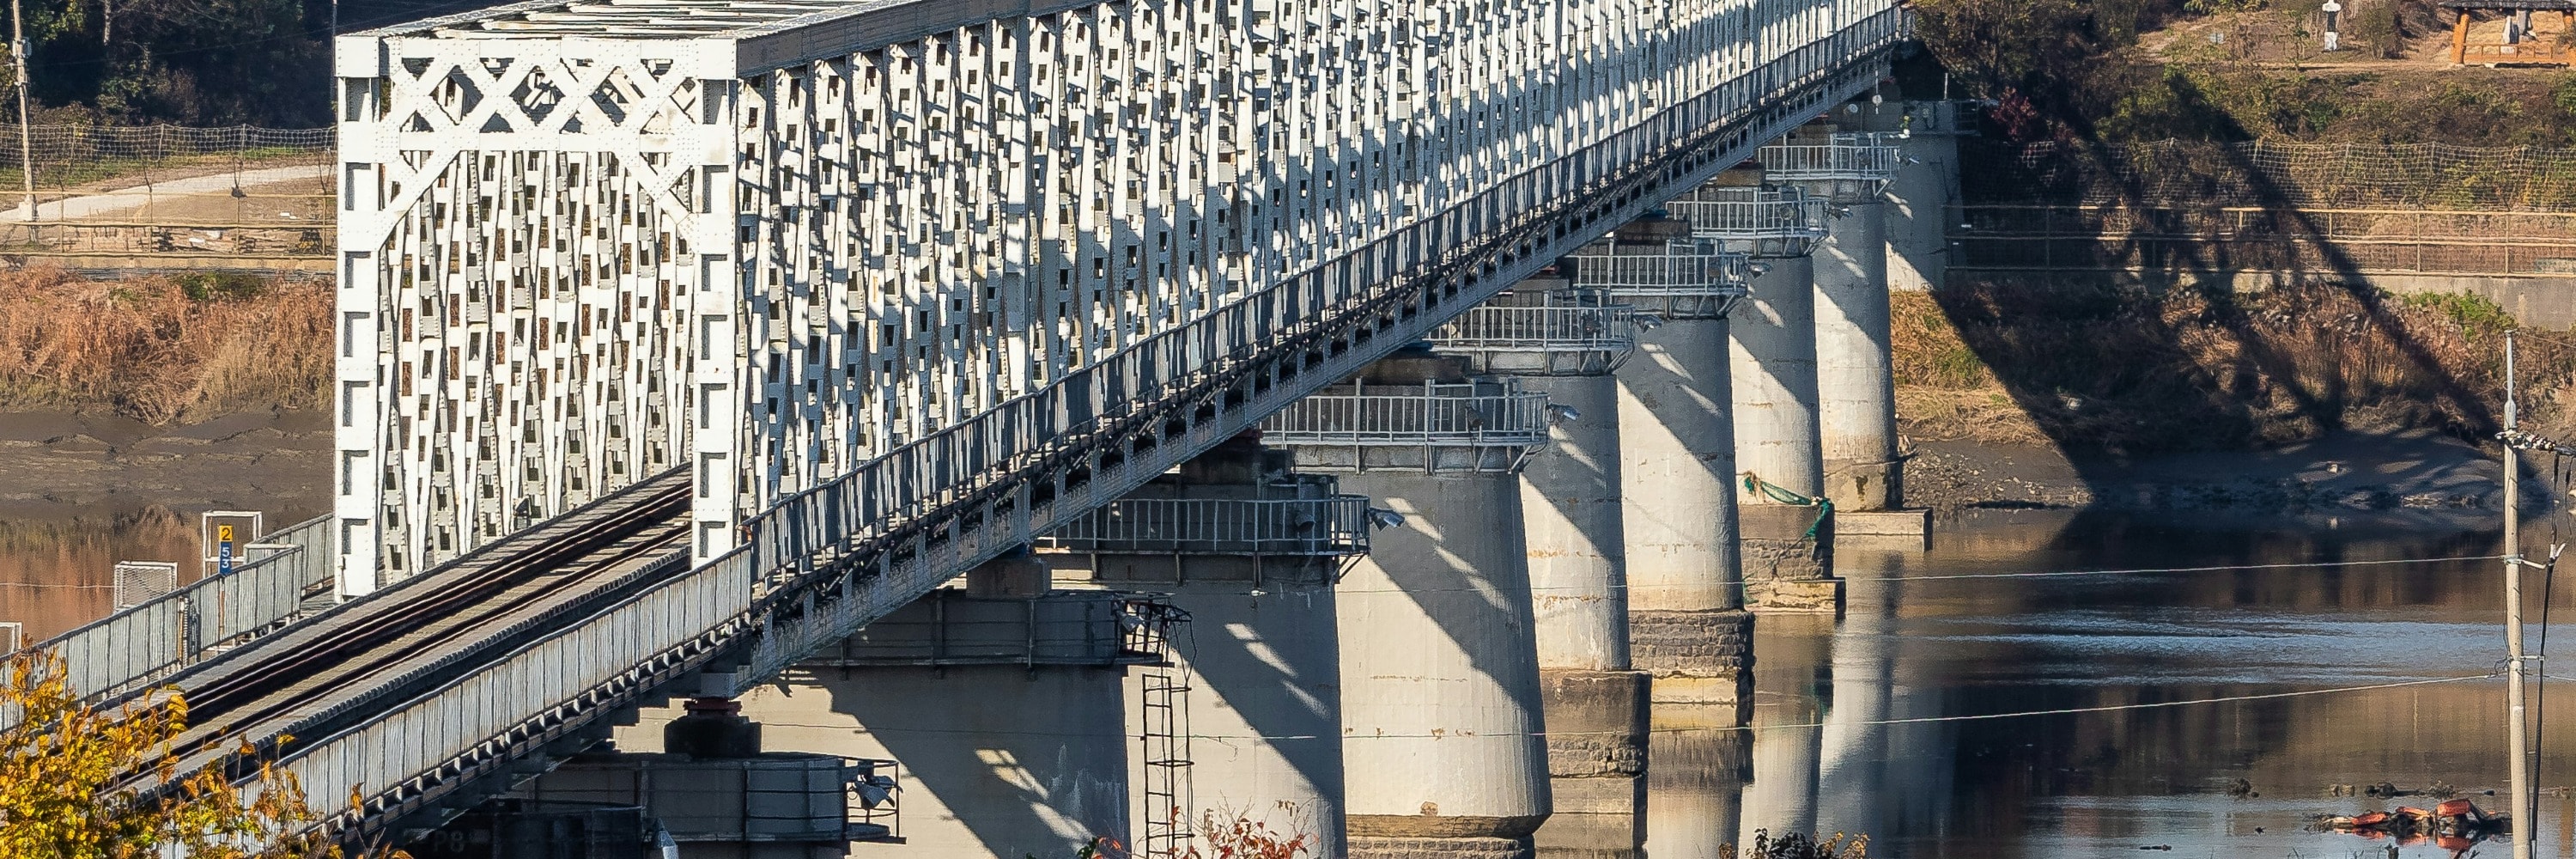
[1489, 328]
[1442, 414]
[1681, 269]
[1857, 156]
[171, 630]
[1753, 214]
[1335, 526]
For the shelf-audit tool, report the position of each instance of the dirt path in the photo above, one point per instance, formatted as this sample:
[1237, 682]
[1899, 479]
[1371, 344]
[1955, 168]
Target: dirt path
[139, 196]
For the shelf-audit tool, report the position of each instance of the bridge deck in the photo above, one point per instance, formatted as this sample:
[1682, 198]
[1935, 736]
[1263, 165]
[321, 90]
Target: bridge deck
[311, 679]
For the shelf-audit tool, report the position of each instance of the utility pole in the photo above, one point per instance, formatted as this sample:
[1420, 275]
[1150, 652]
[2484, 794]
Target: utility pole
[2516, 737]
[26, 145]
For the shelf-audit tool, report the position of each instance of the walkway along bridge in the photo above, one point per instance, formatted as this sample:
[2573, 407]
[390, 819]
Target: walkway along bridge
[681, 339]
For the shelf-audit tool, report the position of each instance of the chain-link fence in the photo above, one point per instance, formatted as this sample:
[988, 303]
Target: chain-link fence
[2267, 173]
[163, 196]
[2215, 239]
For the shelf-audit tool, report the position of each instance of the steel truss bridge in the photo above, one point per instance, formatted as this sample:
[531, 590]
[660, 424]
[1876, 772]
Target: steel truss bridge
[622, 281]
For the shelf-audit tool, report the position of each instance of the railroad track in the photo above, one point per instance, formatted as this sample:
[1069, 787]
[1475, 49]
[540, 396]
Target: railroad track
[398, 643]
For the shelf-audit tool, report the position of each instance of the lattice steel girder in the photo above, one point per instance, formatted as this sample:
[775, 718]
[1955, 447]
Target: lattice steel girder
[584, 241]
[827, 562]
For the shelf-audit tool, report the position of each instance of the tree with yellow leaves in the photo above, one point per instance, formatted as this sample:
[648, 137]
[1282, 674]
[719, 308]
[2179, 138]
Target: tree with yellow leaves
[65, 768]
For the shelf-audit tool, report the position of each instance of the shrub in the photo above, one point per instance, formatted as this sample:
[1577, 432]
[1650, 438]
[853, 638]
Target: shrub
[220, 285]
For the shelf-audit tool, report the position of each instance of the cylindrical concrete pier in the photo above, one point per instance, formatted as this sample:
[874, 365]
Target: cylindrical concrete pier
[1773, 359]
[1677, 469]
[1443, 727]
[1920, 197]
[1565, 342]
[1571, 501]
[1265, 716]
[1596, 705]
[1856, 390]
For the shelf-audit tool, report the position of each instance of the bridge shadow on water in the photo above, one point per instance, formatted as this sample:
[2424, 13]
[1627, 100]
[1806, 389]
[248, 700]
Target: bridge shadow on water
[2314, 380]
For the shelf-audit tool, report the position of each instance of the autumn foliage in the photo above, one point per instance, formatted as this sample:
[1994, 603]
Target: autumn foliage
[1220, 838]
[69, 775]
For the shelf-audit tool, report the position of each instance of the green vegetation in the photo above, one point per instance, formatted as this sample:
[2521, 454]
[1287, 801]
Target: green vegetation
[220, 285]
[2476, 315]
[189, 62]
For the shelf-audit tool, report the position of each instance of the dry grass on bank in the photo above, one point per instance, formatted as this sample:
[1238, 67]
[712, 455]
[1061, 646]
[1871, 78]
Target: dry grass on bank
[162, 349]
[2136, 371]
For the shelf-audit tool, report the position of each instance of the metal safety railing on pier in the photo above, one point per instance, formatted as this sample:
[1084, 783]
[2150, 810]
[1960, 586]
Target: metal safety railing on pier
[1849, 169]
[1757, 221]
[821, 563]
[1678, 280]
[1867, 156]
[1334, 526]
[1439, 413]
[1557, 327]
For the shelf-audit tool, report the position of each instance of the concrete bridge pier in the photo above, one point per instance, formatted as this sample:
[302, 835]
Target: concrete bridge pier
[1249, 550]
[1676, 460]
[1443, 720]
[1773, 358]
[1003, 702]
[1920, 197]
[1855, 386]
[1565, 342]
[1787, 557]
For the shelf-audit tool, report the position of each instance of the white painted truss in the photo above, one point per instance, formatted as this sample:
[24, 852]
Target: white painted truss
[586, 242]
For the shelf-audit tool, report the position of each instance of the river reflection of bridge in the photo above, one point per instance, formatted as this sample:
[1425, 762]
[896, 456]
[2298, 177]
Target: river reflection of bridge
[1822, 757]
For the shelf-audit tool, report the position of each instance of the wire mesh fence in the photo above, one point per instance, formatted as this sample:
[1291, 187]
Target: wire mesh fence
[2349, 241]
[166, 196]
[69, 155]
[2272, 173]
[139, 581]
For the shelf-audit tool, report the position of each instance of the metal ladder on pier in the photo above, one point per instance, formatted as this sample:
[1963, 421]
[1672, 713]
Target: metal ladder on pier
[1165, 730]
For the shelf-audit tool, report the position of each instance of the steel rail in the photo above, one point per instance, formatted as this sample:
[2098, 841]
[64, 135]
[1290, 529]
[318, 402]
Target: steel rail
[267, 691]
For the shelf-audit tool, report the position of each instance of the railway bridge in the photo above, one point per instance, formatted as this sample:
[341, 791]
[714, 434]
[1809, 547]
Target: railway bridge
[690, 349]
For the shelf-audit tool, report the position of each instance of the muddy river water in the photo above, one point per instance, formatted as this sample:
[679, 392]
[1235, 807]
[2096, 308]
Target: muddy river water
[1923, 645]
